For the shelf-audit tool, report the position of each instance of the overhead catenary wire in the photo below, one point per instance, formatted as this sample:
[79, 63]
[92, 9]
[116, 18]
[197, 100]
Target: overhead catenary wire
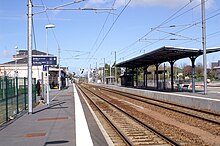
[163, 23]
[48, 19]
[195, 24]
[70, 3]
[111, 28]
[101, 29]
[163, 38]
[171, 18]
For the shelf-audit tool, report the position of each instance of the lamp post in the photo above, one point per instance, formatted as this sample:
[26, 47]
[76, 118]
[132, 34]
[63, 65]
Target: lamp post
[48, 83]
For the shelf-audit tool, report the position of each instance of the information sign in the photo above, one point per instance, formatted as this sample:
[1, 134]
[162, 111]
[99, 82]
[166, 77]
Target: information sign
[44, 60]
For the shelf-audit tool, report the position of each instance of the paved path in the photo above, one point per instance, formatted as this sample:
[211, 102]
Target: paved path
[53, 125]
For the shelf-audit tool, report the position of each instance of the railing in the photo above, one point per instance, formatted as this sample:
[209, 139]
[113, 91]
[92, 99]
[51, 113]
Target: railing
[14, 97]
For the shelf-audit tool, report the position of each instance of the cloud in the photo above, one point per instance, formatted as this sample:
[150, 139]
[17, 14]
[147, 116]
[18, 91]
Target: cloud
[146, 3]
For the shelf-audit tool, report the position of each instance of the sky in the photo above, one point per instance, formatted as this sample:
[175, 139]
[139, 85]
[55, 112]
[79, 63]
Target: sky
[129, 28]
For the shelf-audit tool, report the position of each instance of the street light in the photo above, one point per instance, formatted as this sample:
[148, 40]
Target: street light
[48, 83]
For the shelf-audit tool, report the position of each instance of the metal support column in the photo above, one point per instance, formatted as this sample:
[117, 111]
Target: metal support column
[25, 92]
[126, 71]
[104, 72]
[136, 77]
[43, 87]
[204, 45]
[30, 108]
[17, 101]
[164, 77]
[144, 76]
[59, 78]
[132, 78]
[6, 98]
[171, 64]
[116, 79]
[157, 65]
[193, 73]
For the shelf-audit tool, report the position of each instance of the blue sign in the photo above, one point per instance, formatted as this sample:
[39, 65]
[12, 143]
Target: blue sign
[44, 68]
[44, 60]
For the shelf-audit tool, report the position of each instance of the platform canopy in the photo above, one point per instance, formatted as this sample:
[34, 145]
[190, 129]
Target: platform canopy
[164, 54]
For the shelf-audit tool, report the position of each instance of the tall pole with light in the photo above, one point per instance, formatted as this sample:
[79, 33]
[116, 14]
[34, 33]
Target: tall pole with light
[48, 83]
[204, 45]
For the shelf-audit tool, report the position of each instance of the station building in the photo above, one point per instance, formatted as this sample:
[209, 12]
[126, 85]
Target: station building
[18, 67]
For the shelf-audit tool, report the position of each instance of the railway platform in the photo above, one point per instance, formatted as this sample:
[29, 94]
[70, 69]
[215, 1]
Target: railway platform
[67, 121]
[209, 102]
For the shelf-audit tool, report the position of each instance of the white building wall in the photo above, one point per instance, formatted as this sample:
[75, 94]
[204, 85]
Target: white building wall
[22, 71]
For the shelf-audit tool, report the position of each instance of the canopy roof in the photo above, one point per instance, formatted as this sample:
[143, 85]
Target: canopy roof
[164, 54]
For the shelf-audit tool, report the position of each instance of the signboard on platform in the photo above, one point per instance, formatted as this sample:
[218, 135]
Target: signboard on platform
[44, 60]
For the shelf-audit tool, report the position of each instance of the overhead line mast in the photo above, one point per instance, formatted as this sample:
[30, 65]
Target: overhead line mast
[30, 15]
[204, 45]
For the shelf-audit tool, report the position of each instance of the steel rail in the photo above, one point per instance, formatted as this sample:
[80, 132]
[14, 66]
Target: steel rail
[126, 140]
[143, 99]
[169, 140]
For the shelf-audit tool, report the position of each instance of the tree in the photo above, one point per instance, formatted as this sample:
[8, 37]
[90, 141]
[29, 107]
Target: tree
[187, 71]
[199, 71]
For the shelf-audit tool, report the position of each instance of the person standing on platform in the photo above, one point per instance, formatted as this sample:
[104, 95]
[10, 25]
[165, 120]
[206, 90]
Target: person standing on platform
[38, 88]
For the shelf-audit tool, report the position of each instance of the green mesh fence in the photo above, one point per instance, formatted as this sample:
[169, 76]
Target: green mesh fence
[14, 97]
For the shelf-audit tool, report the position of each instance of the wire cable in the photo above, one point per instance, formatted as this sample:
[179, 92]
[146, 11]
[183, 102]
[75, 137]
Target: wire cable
[164, 22]
[195, 24]
[111, 28]
[101, 30]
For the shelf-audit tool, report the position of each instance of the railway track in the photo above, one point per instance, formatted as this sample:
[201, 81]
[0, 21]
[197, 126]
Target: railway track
[131, 129]
[192, 112]
[206, 122]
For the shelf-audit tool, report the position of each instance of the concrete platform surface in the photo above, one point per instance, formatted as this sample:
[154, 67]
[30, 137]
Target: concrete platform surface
[210, 102]
[52, 125]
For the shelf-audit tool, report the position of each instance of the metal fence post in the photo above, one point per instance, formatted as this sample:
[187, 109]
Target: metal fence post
[34, 96]
[25, 92]
[6, 98]
[16, 84]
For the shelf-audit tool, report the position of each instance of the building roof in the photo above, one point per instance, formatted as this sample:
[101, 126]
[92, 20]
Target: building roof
[164, 54]
[19, 61]
[22, 57]
[24, 53]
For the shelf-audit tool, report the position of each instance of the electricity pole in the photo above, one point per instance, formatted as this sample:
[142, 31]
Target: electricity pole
[30, 110]
[204, 46]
